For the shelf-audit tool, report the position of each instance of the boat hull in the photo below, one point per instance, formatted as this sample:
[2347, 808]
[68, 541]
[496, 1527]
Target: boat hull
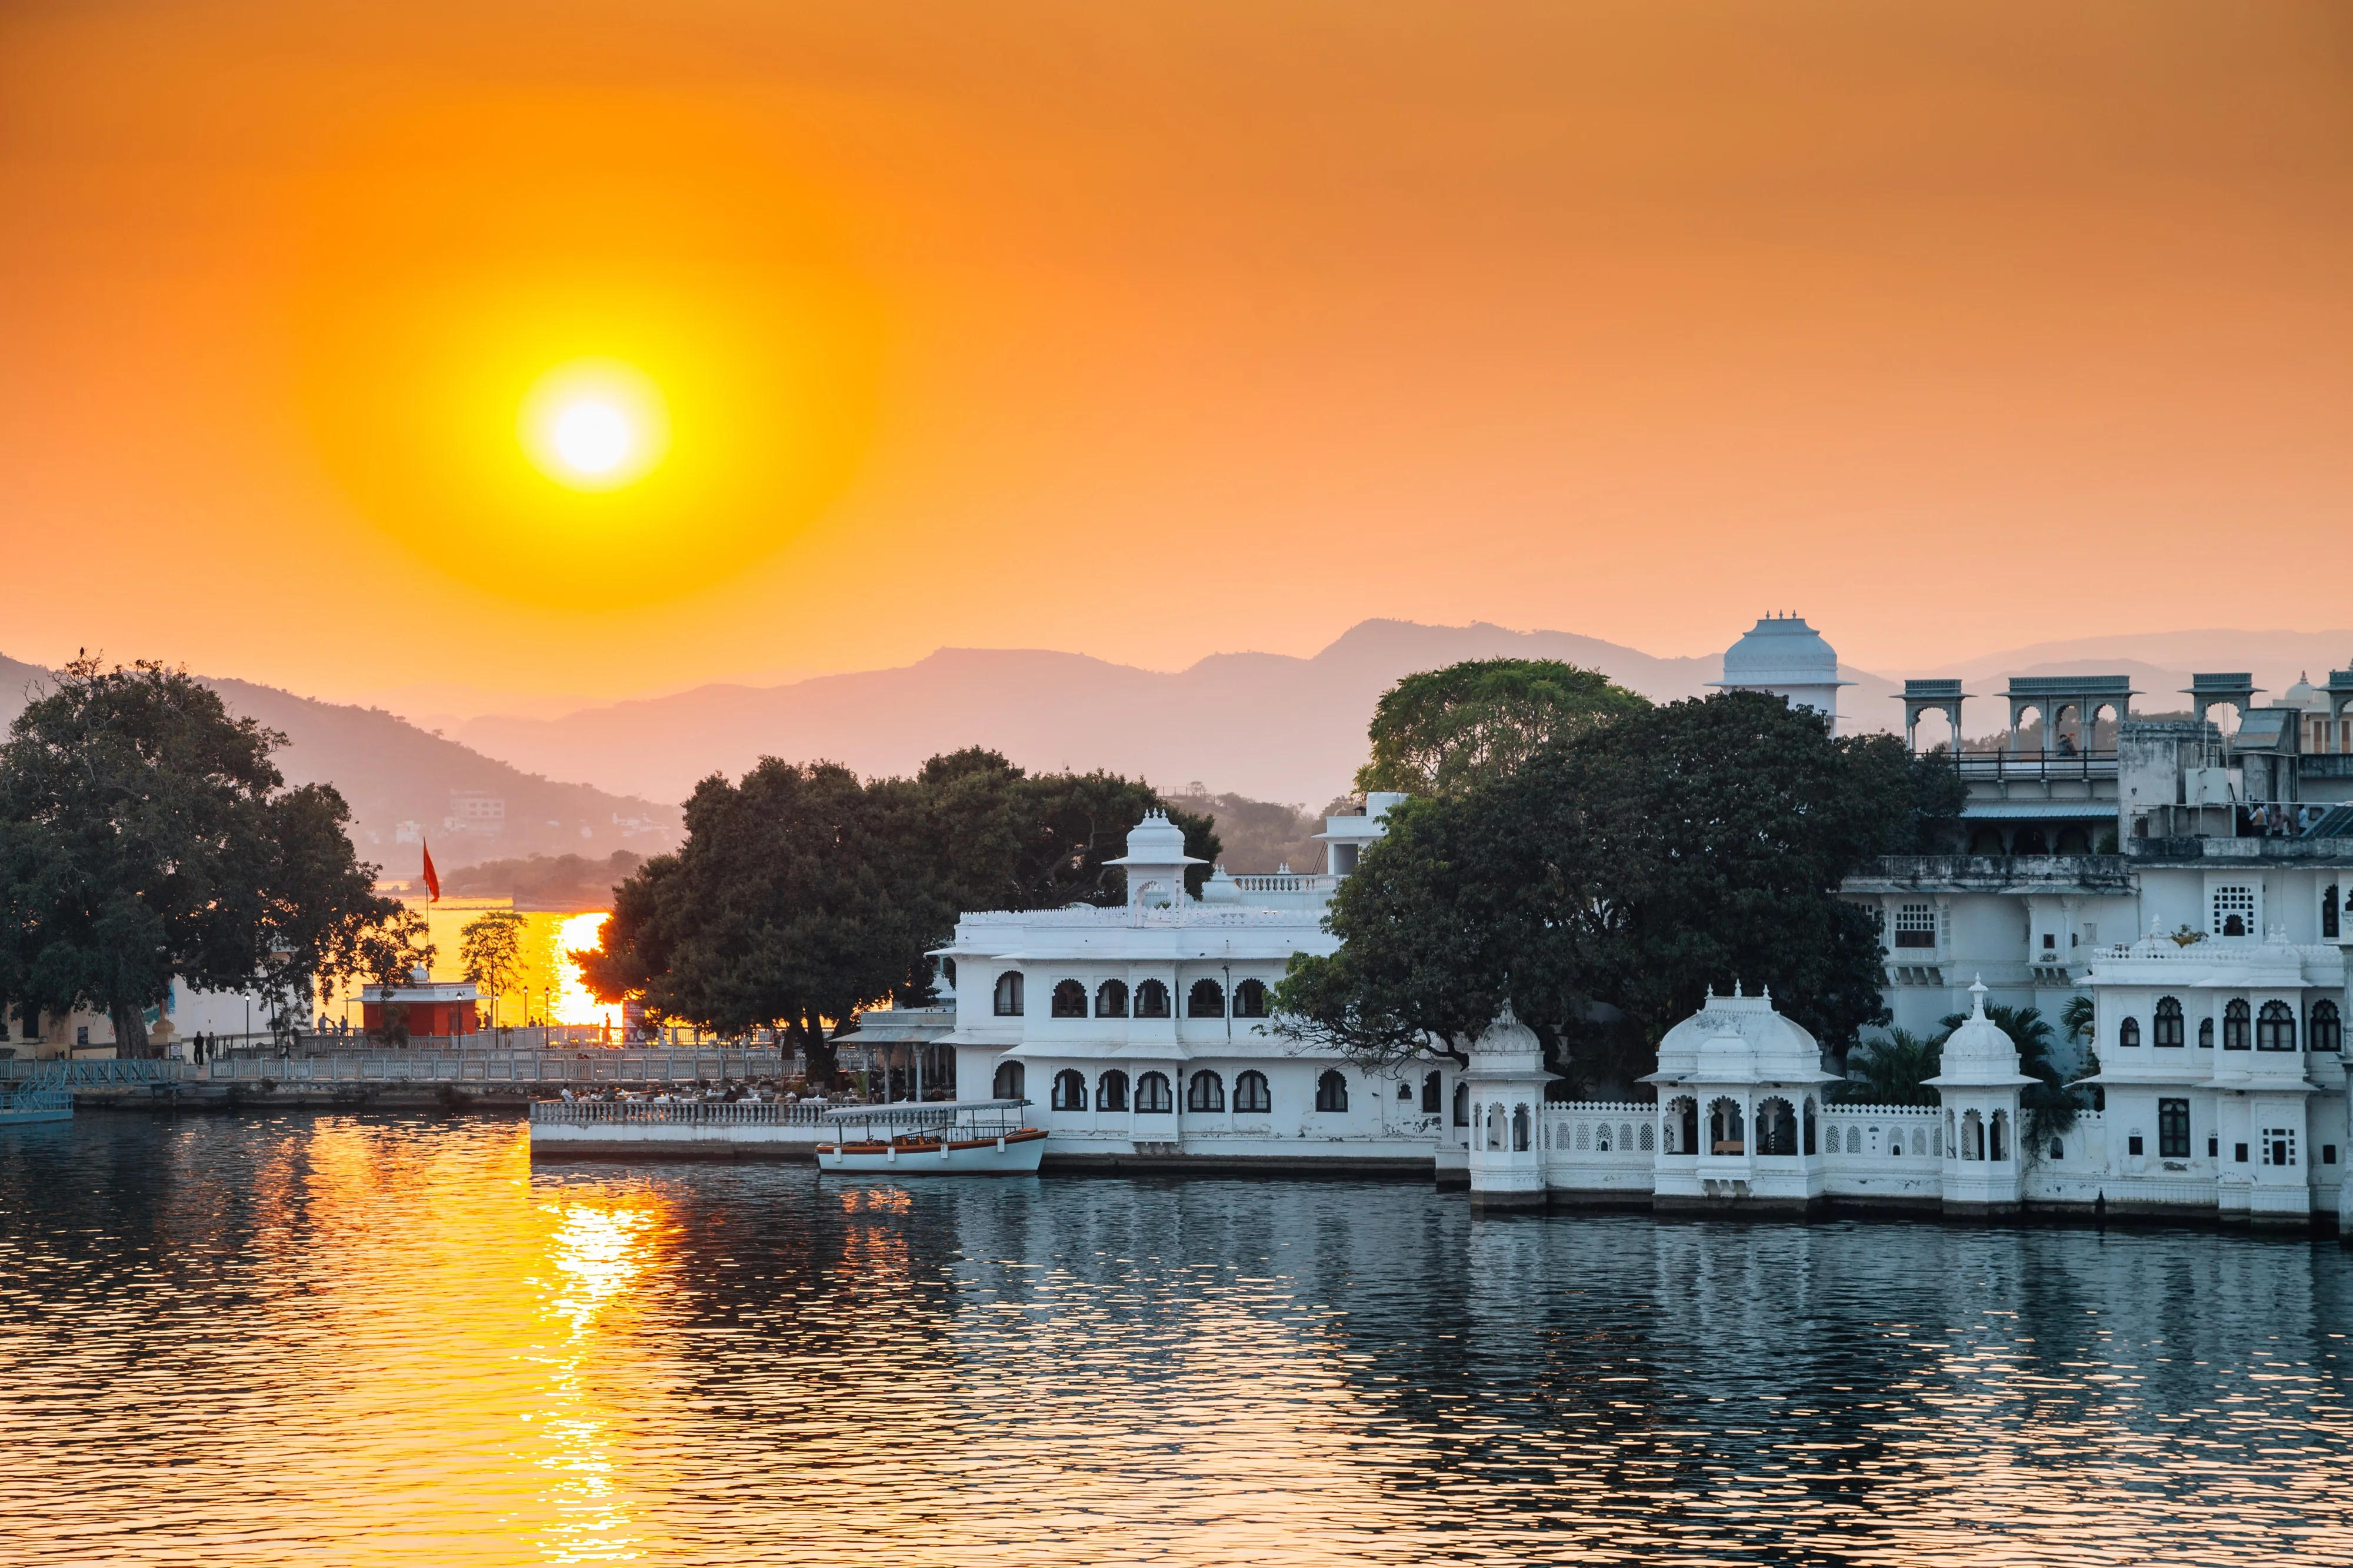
[1015, 1154]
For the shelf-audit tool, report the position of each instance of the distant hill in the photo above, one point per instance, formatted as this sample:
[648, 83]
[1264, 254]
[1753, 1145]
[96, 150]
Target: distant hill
[390, 772]
[1267, 726]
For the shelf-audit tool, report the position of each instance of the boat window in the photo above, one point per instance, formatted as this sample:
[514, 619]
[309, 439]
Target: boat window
[1152, 1000]
[1111, 1091]
[1152, 1096]
[1111, 999]
[1251, 1092]
[1070, 1000]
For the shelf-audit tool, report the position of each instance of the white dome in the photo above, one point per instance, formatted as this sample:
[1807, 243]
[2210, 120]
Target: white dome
[1155, 841]
[1739, 1039]
[2304, 696]
[1780, 650]
[1977, 1055]
[1220, 889]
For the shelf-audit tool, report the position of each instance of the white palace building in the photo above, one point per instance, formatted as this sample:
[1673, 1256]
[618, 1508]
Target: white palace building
[2191, 878]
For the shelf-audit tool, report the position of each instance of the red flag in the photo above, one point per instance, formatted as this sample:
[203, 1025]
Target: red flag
[432, 882]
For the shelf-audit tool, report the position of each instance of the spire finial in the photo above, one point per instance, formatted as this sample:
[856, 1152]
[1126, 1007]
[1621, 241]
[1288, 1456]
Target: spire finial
[1735, 985]
[1976, 998]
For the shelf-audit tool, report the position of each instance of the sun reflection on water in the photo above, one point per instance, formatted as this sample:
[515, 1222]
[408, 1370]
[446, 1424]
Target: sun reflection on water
[380, 1342]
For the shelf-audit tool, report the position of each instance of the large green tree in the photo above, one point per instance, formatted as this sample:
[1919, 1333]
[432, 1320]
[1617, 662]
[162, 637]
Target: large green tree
[1610, 880]
[146, 834]
[1444, 731]
[803, 897]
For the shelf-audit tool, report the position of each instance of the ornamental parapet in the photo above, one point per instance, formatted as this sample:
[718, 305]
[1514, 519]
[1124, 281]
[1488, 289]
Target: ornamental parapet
[1991, 874]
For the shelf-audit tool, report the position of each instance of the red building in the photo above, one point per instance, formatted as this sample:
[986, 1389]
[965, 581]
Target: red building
[431, 1007]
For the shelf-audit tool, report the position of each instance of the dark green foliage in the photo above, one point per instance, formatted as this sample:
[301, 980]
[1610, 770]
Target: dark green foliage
[803, 897]
[1444, 731]
[145, 834]
[1893, 1070]
[1609, 881]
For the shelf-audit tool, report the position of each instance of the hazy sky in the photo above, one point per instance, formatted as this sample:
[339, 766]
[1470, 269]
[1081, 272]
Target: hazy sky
[1155, 330]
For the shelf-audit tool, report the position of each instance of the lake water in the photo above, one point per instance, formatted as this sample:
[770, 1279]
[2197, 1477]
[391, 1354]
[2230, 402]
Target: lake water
[363, 1341]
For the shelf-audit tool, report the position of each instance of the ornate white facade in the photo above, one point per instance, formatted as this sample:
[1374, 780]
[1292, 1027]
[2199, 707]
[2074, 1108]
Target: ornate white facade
[1141, 1033]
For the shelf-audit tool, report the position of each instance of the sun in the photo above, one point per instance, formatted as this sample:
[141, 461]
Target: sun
[594, 425]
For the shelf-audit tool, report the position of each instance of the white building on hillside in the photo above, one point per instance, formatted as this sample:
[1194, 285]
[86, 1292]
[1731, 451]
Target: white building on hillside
[1141, 1032]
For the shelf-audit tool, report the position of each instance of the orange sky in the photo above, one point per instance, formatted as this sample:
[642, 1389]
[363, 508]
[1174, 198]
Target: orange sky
[1153, 330]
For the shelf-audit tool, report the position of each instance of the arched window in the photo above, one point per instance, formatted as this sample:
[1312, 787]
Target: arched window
[1152, 1000]
[2235, 1026]
[1972, 1136]
[1433, 1091]
[1809, 1124]
[1250, 1093]
[1683, 1127]
[1111, 1091]
[1250, 999]
[1008, 1083]
[1495, 1127]
[1854, 1140]
[1111, 999]
[1726, 1134]
[1070, 1090]
[2275, 1028]
[1777, 1128]
[1206, 1000]
[1461, 1105]
[1650, 1139]
[1069, 999]
[1520, 1128]
[1152, 1096]
[2327, 1027]
[1206, 1092]
[2205, 1034]
[1009, 994]
[2167, 1029]
[2001, 1138]
[1331, 1092]
[2128, 1034]
[1601, 1138]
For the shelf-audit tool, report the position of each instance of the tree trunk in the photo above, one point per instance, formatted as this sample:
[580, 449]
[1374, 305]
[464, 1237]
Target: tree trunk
[824, 1062]
[130, 1031]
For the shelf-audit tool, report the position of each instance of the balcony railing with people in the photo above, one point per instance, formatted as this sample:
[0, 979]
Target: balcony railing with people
[2065, 763]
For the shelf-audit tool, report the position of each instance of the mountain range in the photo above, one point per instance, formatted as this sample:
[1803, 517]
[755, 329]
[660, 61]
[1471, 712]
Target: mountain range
[392, 773]
[1270, 727]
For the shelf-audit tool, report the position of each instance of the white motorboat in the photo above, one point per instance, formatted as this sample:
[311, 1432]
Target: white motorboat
[933, 1138]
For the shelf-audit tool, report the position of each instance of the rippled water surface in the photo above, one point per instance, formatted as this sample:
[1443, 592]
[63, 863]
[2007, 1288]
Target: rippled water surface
[355, 1341]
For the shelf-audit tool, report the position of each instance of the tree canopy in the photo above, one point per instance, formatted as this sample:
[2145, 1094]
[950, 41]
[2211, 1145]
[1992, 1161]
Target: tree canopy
[804, 896]
[1442, 731]
[146, 835]
[1613, 878]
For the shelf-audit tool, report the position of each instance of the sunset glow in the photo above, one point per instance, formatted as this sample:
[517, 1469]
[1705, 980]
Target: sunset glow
[596, 425]
[574, 1004]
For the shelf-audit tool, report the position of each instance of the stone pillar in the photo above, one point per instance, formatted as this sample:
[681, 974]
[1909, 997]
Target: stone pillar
[1979, 1082]
[1507, 1080]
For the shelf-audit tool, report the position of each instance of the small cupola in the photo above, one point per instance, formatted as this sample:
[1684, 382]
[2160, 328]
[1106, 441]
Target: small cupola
[1156, 863]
